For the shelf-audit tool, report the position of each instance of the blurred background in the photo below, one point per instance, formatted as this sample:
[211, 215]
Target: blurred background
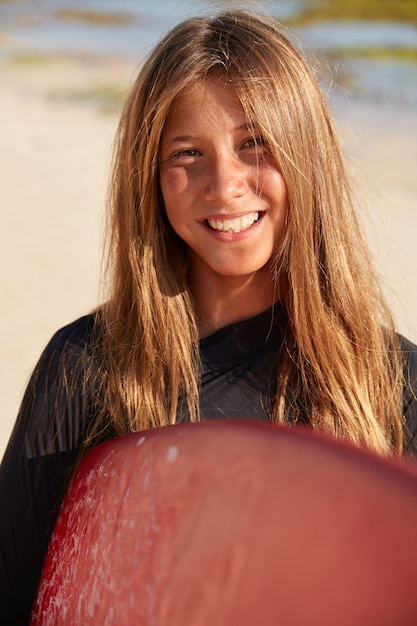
[65, 70]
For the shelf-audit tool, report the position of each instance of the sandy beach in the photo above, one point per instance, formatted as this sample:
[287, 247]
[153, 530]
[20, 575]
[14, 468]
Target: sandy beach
[55, 152]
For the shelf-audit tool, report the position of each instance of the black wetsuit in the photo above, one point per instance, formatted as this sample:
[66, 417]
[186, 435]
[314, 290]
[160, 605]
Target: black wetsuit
[239, 364]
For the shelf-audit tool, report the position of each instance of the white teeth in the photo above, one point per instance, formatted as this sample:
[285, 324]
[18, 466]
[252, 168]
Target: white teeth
[236, 225]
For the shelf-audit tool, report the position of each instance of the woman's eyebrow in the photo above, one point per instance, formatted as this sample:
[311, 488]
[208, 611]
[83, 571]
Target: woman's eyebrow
[179, 139]
[187, 138]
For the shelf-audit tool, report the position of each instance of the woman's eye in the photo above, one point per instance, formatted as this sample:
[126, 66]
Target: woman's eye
[254, 142]
[190, 152]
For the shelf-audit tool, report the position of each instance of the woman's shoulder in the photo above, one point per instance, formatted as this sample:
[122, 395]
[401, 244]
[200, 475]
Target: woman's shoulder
[67, 361]
[409, 351]
[62, 390]
[78, 334]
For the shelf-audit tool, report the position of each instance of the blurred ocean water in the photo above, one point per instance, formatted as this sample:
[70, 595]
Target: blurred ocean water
[130, 28]
[53, 26]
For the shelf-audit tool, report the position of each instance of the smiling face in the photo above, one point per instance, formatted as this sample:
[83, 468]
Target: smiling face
[223, 193]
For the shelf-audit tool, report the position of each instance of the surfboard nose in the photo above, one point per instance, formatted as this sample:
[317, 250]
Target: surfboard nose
[233, 523]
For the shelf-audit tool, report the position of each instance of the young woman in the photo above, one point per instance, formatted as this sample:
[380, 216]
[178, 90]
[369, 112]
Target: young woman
[241, 286]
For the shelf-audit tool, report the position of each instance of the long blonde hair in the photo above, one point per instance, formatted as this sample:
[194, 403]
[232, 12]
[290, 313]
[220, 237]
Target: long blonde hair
[341, 369]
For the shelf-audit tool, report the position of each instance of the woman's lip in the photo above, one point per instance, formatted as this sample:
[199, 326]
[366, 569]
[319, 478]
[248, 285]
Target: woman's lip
[235, 225]
[225, 230]
[222, 217]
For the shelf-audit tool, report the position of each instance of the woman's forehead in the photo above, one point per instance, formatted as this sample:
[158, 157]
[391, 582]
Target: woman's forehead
[224, 97]
[209, 98]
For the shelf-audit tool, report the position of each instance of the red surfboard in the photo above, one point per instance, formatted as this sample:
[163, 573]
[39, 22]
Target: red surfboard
[233, 523]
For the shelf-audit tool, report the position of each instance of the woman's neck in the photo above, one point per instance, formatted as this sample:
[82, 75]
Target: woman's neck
[229, 300]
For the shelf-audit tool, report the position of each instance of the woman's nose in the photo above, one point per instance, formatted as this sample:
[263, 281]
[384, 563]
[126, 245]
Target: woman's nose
[227, 180]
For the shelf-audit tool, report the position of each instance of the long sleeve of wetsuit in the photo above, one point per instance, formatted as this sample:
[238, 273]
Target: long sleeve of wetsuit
[38, 463]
